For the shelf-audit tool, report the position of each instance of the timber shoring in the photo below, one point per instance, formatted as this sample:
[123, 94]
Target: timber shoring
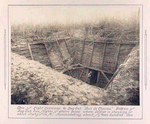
[117, 57]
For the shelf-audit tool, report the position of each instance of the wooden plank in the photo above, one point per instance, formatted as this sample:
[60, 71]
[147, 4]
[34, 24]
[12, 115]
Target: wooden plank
[124, 51]
[30, 51]
[83, 66]
[96, 69]
[116, 63]
[117, 71]
[89, 62]
[103, 54]
[98, 78]
[110, 81]
[111, 54]
[91, 56]
[61, 56]
[86, 75]
[130, 43]
[102, 41]
[82, 52]
[102, 72]
[35, 43]
[105, 76]
[52, 40]
[74, 49]
[71, 68]
[67, 46]
[81, 74]
[59, 48]
[47, 54]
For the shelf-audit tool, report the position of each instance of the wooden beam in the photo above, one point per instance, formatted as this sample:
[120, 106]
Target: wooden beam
[99, 41]
[117, 71]
[72, 68]
[59, 48]
[81, 74]
[117, 58]
[98, 78]
[96, 69]
[102, 71]
[82, 52]
[86, 75]
[30, 51]
[74, 49]
[102, 41]
[48, 54]
[130, 43]
[35, 43]
[75, 65]
[67, 46]
[91, 56]
[114, 76]
[83, 66]
[105, 76]
[46, 40]
[103, 55]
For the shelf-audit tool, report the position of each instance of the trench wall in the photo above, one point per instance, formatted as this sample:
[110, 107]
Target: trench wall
[62, 53]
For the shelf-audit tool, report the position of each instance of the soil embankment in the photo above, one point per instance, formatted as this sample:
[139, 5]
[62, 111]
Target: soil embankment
[124, 89]
[35, 83]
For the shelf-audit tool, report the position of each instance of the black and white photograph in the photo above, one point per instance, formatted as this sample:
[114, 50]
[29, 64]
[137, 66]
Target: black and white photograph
[74, 61]
[75, 55]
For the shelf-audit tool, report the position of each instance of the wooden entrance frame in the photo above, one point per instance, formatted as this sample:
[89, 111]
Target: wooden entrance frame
[80, 65]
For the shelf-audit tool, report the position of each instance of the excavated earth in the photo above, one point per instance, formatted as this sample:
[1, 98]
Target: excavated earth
[35, 83]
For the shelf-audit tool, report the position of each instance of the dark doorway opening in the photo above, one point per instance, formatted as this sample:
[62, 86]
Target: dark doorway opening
[97, 79]
[92, 75]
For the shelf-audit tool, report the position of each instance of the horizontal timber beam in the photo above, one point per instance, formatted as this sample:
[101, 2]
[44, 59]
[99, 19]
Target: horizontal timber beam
[48, 40]
[96, 69]
[79, 66]
[117, 42]
[36, 43]
[99, 41]
[102, 42]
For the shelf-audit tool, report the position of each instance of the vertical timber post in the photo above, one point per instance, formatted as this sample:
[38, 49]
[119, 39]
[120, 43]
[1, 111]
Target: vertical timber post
[67, 47]
[91, 56]
[48, 54]
[30, 51]
[99, 73]
[82, 52]
[116, 62]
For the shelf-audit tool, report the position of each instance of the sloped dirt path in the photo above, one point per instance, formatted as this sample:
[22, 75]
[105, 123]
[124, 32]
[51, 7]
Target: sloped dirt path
[34, 83]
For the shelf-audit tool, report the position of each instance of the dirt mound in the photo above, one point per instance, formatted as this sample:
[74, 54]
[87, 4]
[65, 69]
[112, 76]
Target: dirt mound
[125, 87]
[34, 83]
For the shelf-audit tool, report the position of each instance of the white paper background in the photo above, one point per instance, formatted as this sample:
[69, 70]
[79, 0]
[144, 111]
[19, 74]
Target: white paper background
[4, 93]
